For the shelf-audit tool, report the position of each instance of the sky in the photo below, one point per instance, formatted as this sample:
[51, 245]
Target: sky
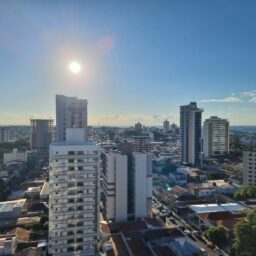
[140, 59]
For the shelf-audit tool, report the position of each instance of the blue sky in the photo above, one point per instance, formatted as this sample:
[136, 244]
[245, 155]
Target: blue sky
[140, 59]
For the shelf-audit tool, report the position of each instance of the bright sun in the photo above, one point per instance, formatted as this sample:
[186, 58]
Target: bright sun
[74, 67]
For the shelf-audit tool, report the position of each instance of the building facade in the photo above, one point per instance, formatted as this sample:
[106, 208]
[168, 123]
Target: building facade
[138, 127]
[115, 186]
[166, 126]
[249, 168]
[41, 135]
[71, 112]
[190, 132]
[215, 137]
[4, 134]
[74, 196]
[141, 184]
[15, 156]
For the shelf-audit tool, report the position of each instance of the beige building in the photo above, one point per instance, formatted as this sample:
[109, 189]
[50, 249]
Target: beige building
[215, 137]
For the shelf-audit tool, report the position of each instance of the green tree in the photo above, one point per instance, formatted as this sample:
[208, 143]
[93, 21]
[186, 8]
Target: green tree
[217, 235]
[246, 193]
[245, 236]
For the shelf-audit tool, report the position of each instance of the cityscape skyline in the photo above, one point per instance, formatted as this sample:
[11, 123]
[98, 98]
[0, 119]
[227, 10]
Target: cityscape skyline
[164, 55]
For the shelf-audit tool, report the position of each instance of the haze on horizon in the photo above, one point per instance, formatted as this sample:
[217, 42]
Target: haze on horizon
[140, 60]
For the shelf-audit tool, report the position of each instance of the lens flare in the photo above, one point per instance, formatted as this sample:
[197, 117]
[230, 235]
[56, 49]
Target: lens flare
[74, 67]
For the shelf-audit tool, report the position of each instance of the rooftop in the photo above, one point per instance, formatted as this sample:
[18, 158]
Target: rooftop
[222, 215]
[202, 208]
[69, 143]
[9, 206]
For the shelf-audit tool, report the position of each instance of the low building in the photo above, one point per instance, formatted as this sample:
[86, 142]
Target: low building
[33, 191]
[11, 209]
[148, 237]
[224, 187]
[202, 190]
[193, 174]
[211, 188]
[207, 215]
[178, 178]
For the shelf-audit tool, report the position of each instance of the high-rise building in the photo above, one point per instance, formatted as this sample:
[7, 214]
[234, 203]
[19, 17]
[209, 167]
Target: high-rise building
[166, 126]
[74, 196]
[115, 186]
[174, 128]
[71, 112]
[190, 131]
[249, 168]
[142, 142]
[138, 127]
[41, 136]
[4, 134]
[215, 137]
[142, 184]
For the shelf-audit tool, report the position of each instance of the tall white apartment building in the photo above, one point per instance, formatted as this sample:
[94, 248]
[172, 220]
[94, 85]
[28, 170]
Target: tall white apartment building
[71, 112]
[115, 186]
[142, 184]
[74, 196]
[166, 126]
[215, 137]
[249, 168]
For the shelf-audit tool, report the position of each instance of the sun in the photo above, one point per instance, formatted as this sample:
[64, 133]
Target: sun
[74, 67]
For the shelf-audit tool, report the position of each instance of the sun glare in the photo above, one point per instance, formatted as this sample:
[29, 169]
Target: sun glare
[74, 67]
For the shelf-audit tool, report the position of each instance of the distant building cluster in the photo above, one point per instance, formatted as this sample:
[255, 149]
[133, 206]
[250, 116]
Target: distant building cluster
[121, 191]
